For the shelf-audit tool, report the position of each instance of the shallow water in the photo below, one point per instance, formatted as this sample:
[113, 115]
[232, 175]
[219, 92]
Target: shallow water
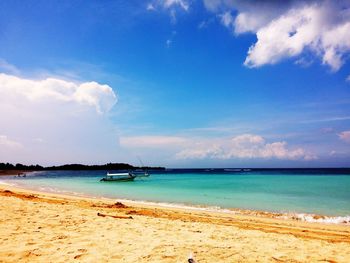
[300, 191]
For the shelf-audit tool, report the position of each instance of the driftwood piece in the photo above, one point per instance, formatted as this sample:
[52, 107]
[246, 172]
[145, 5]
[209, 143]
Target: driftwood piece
[119, 217]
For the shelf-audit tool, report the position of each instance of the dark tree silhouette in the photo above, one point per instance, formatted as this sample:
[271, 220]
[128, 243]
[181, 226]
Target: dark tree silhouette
[108, 166]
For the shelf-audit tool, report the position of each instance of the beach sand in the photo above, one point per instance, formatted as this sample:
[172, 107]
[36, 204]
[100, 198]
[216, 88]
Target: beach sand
[38, 227]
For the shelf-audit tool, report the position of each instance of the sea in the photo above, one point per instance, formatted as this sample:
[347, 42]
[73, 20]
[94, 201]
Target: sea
[301, 193]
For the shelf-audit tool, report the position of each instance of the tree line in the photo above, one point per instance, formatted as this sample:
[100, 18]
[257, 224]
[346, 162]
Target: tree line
[108, 166]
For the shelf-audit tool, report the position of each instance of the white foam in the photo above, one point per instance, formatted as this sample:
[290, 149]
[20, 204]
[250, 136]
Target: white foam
[34, 173]
[318, 219]
[4, 183]
[58, 191]
[179, 206]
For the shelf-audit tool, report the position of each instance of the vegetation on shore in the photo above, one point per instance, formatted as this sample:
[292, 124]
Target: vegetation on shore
[108, 166]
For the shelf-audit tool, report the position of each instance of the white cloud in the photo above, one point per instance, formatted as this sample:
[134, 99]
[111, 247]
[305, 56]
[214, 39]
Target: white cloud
[212, 5]
[348, 79]
[329, 119]
[150, 7]
[176, 3]
[246, 146]
[303, 62]
[305, 27]
[170, 40]
[56, 121]
[286, 30]
[170, 6]
[205, 23]
[5, 142]
[345, 136]
[152, 141]
[172, 16]
[93, 94]
[245, 23]
[8, 68]
[227, 19]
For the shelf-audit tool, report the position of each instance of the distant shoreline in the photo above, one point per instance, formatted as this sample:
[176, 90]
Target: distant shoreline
[11, 169]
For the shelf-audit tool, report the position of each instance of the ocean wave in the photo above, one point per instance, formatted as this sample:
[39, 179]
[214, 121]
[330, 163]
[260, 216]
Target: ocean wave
[33, 173]
[312, 218]
[48, 189]
[179, 206]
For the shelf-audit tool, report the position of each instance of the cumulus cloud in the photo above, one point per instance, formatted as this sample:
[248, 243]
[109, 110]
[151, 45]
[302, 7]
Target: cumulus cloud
[55, 120]
[345, 136]
[284, 29]
[93, 94]
[245, 146]
[289, 28]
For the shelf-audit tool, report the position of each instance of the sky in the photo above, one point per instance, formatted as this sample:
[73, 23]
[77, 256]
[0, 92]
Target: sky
[176, 83]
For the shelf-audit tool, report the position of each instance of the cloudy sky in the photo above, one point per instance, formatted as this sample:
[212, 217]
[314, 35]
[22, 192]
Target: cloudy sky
[178, 83]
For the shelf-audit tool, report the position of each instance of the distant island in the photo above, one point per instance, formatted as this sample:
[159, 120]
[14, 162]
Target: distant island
[9, 169]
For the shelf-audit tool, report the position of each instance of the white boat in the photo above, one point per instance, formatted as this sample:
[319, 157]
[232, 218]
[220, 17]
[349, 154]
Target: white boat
[124, 177]
[121, 177]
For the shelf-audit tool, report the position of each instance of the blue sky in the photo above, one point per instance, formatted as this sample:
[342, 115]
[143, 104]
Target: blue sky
[178, 83]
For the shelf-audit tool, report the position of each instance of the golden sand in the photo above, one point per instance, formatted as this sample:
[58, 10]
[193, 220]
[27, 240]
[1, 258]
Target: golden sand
[38, 227]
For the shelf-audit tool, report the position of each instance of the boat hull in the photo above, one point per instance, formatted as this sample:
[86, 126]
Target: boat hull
[117, 179]
[123, 177]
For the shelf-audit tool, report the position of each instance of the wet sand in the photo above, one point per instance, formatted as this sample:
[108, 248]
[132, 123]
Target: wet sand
[41, 227]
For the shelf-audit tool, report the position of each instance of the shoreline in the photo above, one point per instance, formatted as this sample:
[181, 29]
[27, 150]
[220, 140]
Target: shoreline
[240, 213]
[15, 172]
[295, 216]
[38, 227]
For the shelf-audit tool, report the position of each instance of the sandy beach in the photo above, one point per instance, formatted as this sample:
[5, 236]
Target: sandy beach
[40, 227]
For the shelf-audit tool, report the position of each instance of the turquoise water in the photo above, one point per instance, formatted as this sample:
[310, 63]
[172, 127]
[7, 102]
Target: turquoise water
[318, 193]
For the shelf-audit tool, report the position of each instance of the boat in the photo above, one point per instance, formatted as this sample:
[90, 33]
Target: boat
[119, 177]
[124, 177]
